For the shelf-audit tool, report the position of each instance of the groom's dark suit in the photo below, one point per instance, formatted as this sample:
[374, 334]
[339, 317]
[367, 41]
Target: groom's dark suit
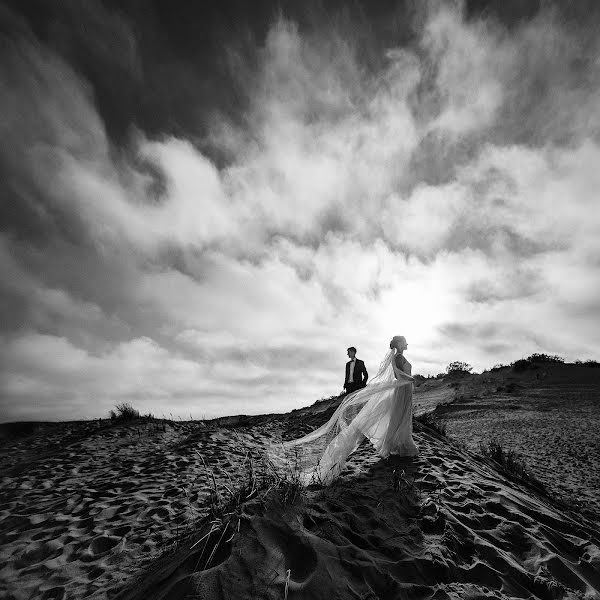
[360, 376]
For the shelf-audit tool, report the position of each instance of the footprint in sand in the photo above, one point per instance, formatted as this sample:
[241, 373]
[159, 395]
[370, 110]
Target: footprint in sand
[102, 544]
[53, 593]
[38, 519]
[36, 553]
[171, 492]
[121, 531]
[300, 559]
[312, 522]
[108, 513]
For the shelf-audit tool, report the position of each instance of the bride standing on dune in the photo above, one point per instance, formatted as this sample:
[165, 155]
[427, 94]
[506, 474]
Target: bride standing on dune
[381, 412]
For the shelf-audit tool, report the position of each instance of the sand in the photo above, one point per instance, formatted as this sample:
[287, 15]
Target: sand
[553, 422]
[104, 510]
[87, 514]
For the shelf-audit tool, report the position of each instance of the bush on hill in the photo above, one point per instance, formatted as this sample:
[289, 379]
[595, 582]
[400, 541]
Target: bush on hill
[458, 369]
[124, 412]
[532, 361]
[522, 365]
[545, 358]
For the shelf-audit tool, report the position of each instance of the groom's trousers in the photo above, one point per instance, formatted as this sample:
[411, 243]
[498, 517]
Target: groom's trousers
[352, 387]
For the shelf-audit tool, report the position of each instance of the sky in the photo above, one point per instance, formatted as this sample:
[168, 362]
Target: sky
[203, 204]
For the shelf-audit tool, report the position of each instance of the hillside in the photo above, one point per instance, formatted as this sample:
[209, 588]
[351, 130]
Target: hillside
[153, 509]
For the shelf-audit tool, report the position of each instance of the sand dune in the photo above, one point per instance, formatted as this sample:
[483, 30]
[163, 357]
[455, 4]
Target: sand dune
[553, 422]
[469, 533]
[93, 510]
[78, 521]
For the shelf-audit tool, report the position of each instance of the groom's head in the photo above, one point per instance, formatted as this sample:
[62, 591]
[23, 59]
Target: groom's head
[351, 352]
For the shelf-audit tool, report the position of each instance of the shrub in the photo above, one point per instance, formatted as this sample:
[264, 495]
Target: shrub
[458, 368]
[125, 412]
[521, 365]
[531, 361]
[545, 358]
[591, 363]
[497, 367]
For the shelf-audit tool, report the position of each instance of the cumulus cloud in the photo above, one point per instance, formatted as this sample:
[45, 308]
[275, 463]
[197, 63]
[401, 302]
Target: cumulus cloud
[445, 191]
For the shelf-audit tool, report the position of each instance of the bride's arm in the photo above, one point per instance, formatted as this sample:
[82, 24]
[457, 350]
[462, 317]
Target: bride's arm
[407, 377]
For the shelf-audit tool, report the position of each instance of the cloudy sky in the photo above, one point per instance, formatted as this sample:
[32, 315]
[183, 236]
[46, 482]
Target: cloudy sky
[203, 204]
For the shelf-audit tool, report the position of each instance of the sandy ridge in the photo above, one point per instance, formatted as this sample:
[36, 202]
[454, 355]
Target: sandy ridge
[96, 518]
[479, 536]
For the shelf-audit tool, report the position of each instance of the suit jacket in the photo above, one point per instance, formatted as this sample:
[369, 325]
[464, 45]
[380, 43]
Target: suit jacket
[360, 372]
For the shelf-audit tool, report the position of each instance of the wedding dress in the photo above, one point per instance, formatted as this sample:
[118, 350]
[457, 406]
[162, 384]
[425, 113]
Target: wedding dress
[381, 412]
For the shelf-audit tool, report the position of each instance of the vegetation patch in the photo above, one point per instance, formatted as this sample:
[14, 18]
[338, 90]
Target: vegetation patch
[458, 369]
[124, 412]
[430, 421]
[509, 461]
[532, 362]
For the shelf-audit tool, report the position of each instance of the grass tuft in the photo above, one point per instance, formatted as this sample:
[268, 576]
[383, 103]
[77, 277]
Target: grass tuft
[221, 517]
[124, 412]
[509, 460]
[430, 421]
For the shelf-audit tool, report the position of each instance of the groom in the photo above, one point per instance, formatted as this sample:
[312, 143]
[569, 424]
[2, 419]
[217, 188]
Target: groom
[356, 373]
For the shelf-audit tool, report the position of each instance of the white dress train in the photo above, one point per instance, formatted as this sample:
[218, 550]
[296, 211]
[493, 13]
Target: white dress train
[381, 412]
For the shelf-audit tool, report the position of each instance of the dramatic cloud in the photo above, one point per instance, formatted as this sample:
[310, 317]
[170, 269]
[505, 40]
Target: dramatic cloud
[341, 185]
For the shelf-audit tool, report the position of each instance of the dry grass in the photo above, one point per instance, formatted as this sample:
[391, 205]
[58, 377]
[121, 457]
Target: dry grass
[124, 412]
[431, 422]
[260, 481]
[287, 583]
[509, 461]
[220, 521]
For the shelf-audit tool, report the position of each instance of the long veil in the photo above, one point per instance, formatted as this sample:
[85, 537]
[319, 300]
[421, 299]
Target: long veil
[324, 451]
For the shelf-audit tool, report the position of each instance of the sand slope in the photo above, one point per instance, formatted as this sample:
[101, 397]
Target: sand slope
[479, 535]
[78, 518]
[91, 510]
[550, 416]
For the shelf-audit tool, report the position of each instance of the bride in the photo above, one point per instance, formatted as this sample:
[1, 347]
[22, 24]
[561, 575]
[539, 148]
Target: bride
[381, 412]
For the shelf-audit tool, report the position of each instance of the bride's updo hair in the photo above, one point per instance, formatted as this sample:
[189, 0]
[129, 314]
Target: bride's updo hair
[399, 342]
